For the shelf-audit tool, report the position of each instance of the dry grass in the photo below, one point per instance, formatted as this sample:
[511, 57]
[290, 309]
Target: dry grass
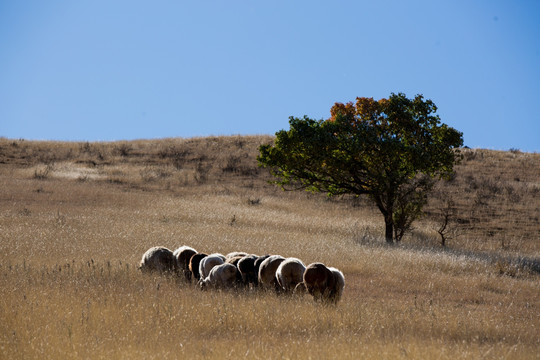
[76, 218]
[497, 197]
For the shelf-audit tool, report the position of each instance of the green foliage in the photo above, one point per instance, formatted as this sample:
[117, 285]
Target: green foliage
[391, 150]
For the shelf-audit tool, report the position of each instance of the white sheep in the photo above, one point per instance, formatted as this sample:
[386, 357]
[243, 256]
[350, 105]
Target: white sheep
[339, 284]
[207, 263]
[158, 258]
[235, 254]
[290, 273]
[220, 277]
[267, 272]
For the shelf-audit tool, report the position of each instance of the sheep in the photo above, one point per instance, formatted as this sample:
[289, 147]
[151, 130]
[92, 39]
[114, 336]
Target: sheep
[208, 263]
[234, 260]
[258, 263]
[182, 255]
[246, 267]
[324, 284]
[290, 273]
[158, 258]
[337, 291]
[235, 254]
[220, 277]
[267, 272]
[194, 264]
[319, 281]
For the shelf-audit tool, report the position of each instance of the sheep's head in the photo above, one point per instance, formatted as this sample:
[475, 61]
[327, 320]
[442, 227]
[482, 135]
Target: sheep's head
[300, 289]
[202, 284]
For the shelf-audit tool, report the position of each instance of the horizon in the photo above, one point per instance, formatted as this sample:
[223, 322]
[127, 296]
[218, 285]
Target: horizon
[216, 136]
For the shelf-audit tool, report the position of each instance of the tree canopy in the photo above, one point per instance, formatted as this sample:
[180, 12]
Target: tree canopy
[391, 150]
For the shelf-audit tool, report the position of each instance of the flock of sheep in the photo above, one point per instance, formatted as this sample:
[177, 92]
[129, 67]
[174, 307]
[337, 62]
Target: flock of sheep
[239, 269]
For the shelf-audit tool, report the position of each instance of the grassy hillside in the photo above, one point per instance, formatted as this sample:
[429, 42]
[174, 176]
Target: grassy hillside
[76, 218]
[495, 194]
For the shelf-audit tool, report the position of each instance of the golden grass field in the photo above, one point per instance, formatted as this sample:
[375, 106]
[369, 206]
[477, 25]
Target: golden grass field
[75, 219]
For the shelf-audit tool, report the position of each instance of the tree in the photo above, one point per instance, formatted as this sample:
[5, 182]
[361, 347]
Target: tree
[392, 150]
[447, 211]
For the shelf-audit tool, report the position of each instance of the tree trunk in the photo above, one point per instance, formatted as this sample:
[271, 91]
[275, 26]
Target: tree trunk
[389, 229]
[388, 220]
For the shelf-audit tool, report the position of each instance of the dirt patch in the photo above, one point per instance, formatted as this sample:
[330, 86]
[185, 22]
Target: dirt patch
[67, 171]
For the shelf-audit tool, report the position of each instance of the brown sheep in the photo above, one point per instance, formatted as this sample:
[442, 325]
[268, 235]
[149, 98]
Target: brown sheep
[246, 267]
[182, 255]
[194, 264]
[258, 263]
[320, 282]
[158, 258]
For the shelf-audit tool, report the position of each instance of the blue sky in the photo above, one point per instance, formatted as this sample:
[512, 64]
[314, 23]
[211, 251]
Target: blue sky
[119, 70]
